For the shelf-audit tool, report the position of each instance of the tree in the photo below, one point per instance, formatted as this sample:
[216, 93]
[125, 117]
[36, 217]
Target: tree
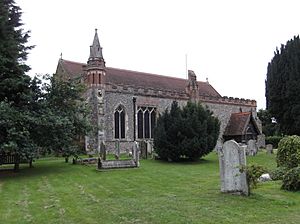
[15, 92]
[52, 115]
[14, 83]
[283, 87]
[190, 132]
[64, 117]
[269, 126]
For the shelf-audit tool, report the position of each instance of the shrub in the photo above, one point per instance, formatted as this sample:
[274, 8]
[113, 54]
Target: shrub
[288, 154]
[291, 180]
[190, 132]
[253, 172]
[278, 173]
[274, 140]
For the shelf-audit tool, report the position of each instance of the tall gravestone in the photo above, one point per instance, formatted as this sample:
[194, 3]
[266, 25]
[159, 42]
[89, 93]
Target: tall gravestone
[231, 158]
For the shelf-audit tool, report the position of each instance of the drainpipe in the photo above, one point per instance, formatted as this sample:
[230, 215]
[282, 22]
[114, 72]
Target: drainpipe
[134, 121]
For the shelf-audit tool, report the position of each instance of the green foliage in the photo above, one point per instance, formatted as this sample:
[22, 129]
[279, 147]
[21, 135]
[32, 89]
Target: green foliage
[268, 128]
[288, 154]
[278, 173]
[15, 85]
[13, 52]
[274, 140]
[291, 180]
[15, 136]
[64, 116]
[190, 132]
[283, 87]
[32, 114]
[253, 172]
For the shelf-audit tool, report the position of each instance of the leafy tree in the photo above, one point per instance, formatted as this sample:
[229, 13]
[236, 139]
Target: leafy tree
[283, 87]
[64, 117]
[190, 132]
[51, 115]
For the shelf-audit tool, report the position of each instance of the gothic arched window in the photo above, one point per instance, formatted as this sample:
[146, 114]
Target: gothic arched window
[146, 117]
[119, 117]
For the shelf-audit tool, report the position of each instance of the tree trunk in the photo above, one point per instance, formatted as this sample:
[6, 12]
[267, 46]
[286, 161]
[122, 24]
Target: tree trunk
[16, 168]
[66, 159]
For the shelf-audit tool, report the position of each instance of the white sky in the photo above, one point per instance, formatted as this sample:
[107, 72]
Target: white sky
[230, 42]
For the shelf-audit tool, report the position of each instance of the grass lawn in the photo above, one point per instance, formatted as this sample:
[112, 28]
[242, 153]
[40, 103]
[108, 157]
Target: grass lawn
[157, 192]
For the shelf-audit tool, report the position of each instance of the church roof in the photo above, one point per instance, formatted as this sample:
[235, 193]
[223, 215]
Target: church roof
[238, 124]
[118, 76]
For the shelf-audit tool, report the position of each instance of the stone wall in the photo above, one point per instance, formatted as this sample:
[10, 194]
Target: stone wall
[222, 107]
[224, 111]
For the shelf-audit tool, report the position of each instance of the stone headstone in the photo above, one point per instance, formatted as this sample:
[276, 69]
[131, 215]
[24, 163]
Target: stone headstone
[117, 149]
[261, 141]
[269, 148]
[102, 150]
[144, 151]
[135, 151]
[231, 158]
[252, 147]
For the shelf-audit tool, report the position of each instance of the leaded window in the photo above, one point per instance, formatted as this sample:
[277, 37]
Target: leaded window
[146, 121]
[119, 117]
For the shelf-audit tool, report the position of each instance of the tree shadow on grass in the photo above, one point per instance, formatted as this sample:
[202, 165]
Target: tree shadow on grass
[40, 168]
[184, 161]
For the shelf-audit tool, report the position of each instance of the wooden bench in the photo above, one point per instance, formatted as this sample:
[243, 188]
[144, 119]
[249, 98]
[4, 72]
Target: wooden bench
[6, 158]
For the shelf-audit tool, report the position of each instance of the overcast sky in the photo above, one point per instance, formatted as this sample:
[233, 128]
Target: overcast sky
[229, 42]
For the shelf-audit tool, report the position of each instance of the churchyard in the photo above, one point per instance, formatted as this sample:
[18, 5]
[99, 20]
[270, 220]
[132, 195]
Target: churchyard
[156, 192]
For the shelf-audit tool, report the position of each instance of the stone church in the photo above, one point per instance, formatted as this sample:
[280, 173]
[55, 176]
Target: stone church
[125, 104]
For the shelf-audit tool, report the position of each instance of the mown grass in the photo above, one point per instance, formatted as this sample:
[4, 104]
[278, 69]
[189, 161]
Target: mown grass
[157, 192]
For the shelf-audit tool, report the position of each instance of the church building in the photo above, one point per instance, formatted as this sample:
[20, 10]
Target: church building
[125, 104]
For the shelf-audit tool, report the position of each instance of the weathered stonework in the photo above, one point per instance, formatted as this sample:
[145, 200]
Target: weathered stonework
[110, 88]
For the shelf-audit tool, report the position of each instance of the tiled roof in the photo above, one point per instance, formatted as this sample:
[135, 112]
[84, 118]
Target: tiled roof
[140, 79]
[238, 123]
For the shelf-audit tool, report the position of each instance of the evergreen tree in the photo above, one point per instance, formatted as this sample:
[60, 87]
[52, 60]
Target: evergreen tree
[283, 87]
[191, 132]
[14, 83]
[15, 92]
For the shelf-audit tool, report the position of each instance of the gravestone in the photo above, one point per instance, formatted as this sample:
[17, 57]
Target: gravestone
[252, 148]
[102, 150]
[231, 158]
[144, 151]
[117, 149]
[135, 152]
[269, 148]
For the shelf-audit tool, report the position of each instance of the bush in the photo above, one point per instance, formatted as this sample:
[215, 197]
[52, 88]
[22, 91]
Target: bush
[274, 140]
[190, 132]
[278, 173]
[288, 154]
[253, 172]
[291, 180]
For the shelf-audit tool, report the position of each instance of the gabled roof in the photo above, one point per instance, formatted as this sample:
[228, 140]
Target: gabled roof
[238, 124]
[117, 76]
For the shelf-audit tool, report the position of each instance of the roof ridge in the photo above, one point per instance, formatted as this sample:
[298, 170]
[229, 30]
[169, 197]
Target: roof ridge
[129, 70]
[146, 73]
[74, 62]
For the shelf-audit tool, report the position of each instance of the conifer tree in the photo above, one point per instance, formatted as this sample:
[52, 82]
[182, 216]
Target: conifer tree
[190, 132]
[15, 92]
[283, 87]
